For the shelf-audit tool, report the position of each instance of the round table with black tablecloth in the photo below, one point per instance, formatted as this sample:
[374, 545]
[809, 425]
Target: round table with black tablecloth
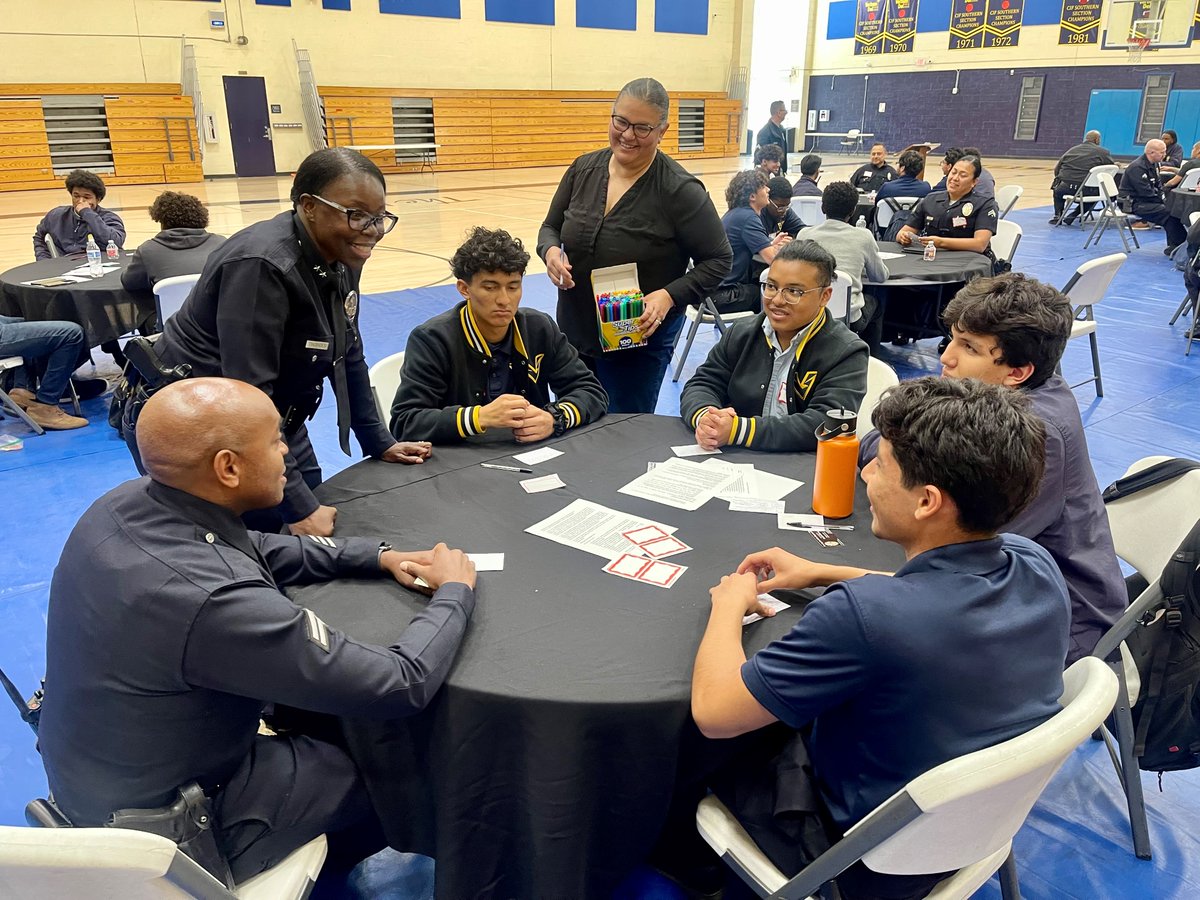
[1181, 204]
[101, 306]
[544, 766]
[937, 280]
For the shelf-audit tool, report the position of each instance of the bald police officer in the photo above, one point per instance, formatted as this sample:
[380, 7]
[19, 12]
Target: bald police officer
[167, 633]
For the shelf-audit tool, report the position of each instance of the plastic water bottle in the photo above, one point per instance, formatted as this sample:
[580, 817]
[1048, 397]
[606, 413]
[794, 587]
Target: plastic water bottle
[930, 253]
[837, 464]
[861, 223]
[95, 266]
[112, 252]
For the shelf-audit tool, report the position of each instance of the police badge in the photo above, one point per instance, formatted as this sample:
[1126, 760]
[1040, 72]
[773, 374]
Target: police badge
[351, 305]
[967, 207]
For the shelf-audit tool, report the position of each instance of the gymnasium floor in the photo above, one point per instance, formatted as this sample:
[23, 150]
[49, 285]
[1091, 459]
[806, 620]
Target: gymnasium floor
[1075, 844]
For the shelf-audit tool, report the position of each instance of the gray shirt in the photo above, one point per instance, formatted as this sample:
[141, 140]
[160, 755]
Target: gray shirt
[775, 402]
[856, 254]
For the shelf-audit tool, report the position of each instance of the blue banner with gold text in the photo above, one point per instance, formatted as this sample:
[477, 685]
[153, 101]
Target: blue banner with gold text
[868, 27]
[966, 24]
[1079, 22]
[899, 26]
[1003, 23]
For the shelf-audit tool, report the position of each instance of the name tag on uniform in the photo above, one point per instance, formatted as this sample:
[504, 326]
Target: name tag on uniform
[782, 397]
[960, 222]
[316, 345]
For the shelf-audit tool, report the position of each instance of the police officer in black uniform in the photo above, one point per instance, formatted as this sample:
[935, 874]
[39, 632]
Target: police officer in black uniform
[167, 633]
[875, 174]
[277, 307]
[957, 218]
[1142, 185]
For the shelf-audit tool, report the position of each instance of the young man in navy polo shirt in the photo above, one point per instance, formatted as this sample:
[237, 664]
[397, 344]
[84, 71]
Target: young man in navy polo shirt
[887, 676]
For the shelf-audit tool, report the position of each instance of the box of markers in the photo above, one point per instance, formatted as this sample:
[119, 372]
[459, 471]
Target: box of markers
[619, 304]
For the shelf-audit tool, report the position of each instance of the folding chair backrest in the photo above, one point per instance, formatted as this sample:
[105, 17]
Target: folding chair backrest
[385, 381]
[1090, 282]
[1190, 180]
[1108, 189]
[170, 294]
[1093, 177]
[839, 300]
[1007, 197]
[808, 209]
[1147, 527]
[888, 207]
[98, 863]
[1005, 240]
[973, 805]
[1193, 218]
[52, 247]
[880, 377]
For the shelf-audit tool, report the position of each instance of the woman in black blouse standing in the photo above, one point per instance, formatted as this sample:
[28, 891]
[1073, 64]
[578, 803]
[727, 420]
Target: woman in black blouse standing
[631, 203]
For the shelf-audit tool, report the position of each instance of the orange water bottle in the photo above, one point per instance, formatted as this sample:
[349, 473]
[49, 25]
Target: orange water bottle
[837, 464]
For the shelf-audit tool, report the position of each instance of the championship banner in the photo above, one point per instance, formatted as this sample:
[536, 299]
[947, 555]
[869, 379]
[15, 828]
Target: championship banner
[899, 26]
[1003, 25]
[868, 27]
[1079, 22]
[966, 24]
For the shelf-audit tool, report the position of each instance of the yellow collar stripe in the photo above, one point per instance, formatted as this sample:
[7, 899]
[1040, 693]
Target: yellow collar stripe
[475, 337]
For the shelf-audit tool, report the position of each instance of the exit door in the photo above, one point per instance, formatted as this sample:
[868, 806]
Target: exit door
[249, 125]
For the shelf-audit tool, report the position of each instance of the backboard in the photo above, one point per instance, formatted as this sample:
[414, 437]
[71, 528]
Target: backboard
[1164, 23]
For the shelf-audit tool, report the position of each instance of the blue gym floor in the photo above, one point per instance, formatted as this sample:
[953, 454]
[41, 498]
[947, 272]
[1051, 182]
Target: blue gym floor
[1076, 843]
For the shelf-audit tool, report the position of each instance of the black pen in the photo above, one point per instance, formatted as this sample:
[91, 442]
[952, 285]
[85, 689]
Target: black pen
[506, 468]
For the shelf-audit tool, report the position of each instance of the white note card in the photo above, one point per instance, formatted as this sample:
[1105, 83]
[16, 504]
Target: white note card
[487, 562]
[754, 505]
[800, 521]
[768, 601]
[544, 483]
[540, 455]
[692, 450]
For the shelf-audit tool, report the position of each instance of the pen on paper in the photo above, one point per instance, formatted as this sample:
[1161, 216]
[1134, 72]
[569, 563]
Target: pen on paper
[506, 468]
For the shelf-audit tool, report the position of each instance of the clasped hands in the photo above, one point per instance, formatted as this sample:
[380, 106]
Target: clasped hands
[528, 422]
[713, 429]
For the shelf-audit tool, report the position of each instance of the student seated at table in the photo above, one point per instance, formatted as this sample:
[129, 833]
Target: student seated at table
[767, 383]
[810, 173]
[168, 633]
[957, 218]
[746, 197]
[911, 182]
[952, 155]
[487, 367]
[1011, 331]
[887, 676]
[857, 256]
[778, 216]
[69, 226]
[179, 249]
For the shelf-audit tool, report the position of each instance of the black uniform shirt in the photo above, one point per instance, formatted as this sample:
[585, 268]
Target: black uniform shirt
[936, 215]
[167, 633]
[869, 178]
[1142, 181]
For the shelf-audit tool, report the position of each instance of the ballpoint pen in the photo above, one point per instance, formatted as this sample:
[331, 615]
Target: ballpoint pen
[506, 468]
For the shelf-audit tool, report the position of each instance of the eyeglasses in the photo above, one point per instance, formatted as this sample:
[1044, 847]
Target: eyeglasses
[360, 220]
[781, 205]
[641, 129]
[791, 295]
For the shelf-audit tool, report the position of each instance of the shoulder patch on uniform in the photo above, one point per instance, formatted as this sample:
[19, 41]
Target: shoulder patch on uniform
[323, 541]
[992, 213]
[317, 630]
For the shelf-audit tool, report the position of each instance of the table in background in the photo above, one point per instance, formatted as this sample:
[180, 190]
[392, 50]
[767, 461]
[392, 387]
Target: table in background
[544, 766]
[1181, 204]
[941, 277]
[101, 306]
[817, 135]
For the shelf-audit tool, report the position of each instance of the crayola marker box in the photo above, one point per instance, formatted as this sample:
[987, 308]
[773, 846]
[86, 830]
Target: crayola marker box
[619, 304]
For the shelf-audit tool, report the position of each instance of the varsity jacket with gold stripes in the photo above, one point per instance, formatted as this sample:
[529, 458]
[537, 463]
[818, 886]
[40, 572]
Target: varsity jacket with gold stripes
[828, 371]
[444, 381]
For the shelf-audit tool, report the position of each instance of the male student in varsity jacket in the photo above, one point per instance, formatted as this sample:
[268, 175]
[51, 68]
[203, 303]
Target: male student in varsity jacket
[485, 369]
[770, 379]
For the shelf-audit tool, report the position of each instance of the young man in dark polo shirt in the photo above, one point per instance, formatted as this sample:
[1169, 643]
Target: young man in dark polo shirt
[887, 676]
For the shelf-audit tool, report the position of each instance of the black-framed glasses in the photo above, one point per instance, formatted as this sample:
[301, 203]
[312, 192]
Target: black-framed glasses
[791, 295]
[361, 220]
[641, 129]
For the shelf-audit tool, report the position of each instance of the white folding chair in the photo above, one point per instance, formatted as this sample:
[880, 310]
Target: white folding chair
[888, 207]
[8, 403]
[880, 377]
[839, 300]
[1086, 288]
[1147, 528]
[961, 815]
[169, 295]
[1190, 181]
[385, 381]
[1007, 197]
[1111, 214]
[1087, 196]
[808, 209]
[52, 247]
[853, 140]
[1187, 304]
[1005, 240]
[132, 865]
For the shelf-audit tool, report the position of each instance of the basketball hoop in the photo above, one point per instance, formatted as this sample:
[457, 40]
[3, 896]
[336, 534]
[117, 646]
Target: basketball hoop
[1137, 46]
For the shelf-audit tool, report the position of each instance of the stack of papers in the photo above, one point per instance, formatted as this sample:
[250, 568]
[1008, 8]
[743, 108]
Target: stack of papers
[680, 483]
[593, 528]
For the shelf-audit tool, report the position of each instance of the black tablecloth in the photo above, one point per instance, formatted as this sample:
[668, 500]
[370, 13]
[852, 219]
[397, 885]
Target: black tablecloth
[103, 308]
[914, 310]
[1182, 204]
[544, 766]
[948, 266]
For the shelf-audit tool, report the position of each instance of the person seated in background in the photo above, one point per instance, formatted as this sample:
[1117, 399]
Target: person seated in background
[55, 349]
[69, 226]
[769, 380]
[1011, 331]
[746, 196]
[162, 569]
[1072, 170]
[885, 677]
[810, 173]
[1173, 158]
[179, 249]
[1142, 185]
[875, 174]
[778, 216]
[487, 367]
[857, 256]
[1188, 165]
[911, 182]
[768, 160]
[985, 184]
[953, 155]
[958, 218]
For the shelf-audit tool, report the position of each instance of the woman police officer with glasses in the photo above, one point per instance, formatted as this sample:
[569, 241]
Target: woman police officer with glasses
[277, 307]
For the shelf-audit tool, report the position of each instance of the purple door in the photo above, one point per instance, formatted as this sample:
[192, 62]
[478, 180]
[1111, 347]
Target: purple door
[249, 126]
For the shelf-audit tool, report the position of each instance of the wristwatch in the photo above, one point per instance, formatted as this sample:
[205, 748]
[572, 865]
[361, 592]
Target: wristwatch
[560, 419]
[384, 547]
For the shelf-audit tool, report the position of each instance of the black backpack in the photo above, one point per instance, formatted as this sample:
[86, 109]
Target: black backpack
[1166, 646]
